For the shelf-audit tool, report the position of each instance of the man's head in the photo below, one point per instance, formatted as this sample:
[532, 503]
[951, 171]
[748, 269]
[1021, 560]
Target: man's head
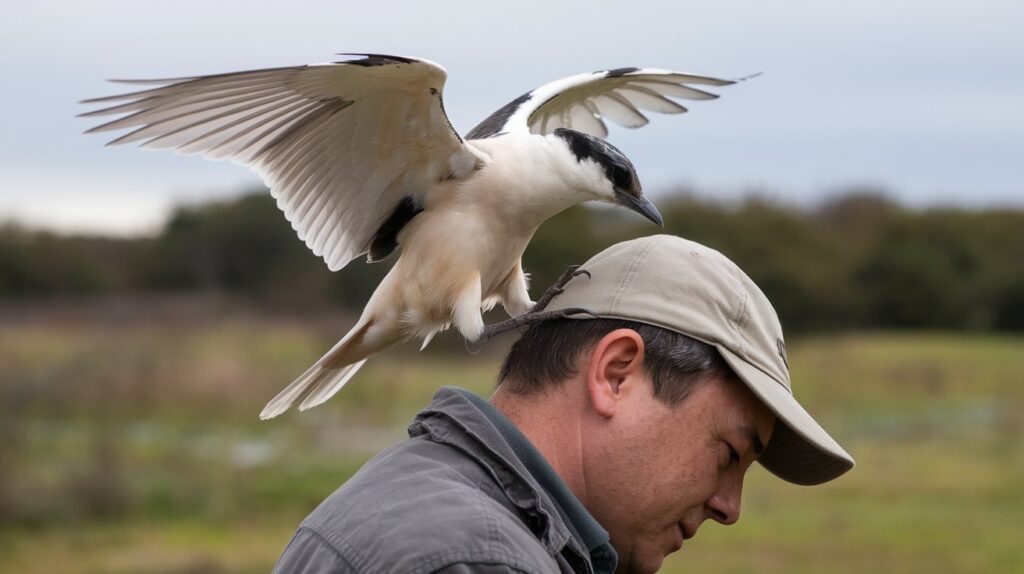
[662, 401]
[666, 429]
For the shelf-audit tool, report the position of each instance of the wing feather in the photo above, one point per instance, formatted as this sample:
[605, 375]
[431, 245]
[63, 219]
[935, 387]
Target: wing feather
[647, 99]
[677, 90]
[585, 119]
[237, 128]
[210, 119]
[583, 102]
[602, 128]
[338, 144]
[618, 110]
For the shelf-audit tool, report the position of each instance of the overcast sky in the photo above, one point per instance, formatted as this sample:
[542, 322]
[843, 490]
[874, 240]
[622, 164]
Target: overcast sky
[924, 98]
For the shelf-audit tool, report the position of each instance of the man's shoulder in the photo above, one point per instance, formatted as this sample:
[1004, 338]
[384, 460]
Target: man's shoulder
[419, 507]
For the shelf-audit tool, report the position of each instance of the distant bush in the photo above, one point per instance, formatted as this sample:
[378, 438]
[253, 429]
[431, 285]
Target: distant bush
[43, 264]
[857, 261]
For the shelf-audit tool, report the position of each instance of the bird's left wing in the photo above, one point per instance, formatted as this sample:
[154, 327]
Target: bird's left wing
[349, 149]
[584, 101]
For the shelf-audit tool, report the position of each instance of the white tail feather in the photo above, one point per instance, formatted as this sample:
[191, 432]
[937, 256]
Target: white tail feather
[329, 382]
[426, 339]
[314, 379]
[289, 396]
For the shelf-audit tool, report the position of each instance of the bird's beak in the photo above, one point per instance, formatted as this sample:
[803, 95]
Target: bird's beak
[641, 206]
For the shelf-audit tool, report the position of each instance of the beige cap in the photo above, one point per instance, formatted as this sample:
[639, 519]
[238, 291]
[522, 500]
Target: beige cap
[691, 289]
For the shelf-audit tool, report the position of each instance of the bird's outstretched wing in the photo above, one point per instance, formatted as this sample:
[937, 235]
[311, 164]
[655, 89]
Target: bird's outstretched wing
[349, 149]
[584, 101]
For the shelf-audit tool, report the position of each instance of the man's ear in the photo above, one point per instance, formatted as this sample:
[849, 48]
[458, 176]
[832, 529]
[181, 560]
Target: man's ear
[615, 369]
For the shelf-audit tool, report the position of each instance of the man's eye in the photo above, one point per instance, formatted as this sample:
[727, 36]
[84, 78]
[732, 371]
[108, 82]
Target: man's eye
[733, 456]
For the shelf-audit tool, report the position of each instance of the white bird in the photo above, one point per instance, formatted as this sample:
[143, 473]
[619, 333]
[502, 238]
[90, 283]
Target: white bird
[361, 158]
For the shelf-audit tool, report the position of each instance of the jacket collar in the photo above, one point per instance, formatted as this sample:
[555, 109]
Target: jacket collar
[465, 421]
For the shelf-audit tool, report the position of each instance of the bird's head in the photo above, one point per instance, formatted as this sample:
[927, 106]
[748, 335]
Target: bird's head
[607, 173]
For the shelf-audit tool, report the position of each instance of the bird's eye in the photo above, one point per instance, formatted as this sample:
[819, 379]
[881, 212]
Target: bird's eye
[621, 177]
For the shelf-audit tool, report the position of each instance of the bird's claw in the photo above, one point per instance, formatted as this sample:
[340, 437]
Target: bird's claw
[557, 287]
[473, 347]
[525, 320]
[536, 314]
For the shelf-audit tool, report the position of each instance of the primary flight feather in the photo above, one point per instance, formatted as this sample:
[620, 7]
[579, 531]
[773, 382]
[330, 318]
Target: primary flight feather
[362, 159]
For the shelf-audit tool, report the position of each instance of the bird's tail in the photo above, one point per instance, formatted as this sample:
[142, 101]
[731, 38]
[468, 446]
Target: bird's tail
[325, 378]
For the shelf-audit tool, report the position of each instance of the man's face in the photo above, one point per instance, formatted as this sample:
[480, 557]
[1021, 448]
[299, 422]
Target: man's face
[660, 471]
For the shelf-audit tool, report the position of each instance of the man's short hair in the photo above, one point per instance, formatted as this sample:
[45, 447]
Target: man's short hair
[549, 353]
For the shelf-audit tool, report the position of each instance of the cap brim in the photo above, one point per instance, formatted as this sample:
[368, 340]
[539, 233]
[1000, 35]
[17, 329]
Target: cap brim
[800, 451]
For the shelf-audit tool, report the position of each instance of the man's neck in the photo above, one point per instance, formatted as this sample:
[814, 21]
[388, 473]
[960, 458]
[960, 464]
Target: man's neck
[559, 444]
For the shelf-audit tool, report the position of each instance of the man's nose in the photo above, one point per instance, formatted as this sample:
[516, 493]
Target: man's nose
[724, 505]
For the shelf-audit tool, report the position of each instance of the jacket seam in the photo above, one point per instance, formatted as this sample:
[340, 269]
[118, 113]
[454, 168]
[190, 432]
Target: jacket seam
[511, 567]
[332, 545]
[436, 561]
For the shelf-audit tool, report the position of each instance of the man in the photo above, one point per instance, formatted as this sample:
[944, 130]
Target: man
[611, 437]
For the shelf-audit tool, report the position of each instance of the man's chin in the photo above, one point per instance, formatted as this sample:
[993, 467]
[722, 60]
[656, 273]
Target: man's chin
[642, 563]
[650, 565]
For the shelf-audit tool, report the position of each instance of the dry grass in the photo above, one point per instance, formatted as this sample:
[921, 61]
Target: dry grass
[132, 445]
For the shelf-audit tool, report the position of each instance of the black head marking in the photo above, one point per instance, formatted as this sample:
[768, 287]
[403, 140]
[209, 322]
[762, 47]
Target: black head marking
[617, 167]
[494, 123]
[619, 72]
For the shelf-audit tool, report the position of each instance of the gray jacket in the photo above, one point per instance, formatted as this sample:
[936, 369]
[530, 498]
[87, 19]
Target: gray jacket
[466, 493]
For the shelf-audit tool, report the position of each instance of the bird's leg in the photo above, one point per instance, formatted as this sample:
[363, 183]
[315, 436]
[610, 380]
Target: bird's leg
[531, 318]
[516, 295]
[557, 287]
[466, 314]
[537, 313]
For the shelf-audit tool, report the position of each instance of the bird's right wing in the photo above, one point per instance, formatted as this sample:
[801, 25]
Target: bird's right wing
[584, 101]
[349, 149]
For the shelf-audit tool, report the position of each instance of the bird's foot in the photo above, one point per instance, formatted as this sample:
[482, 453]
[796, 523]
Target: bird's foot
[557, 287]
[531, 318]
[536, 314]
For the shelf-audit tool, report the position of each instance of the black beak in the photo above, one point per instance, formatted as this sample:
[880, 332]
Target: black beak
[641, 206]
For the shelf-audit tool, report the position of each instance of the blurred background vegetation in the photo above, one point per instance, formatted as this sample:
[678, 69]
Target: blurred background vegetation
[132, 371]
[857, 261]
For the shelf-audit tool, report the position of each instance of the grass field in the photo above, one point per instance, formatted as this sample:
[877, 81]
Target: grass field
[132, 445]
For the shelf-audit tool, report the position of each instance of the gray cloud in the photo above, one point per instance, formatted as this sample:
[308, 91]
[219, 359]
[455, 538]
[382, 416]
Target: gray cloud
[919, 97]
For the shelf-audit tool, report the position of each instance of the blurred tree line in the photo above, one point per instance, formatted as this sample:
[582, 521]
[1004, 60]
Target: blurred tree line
[856, 261]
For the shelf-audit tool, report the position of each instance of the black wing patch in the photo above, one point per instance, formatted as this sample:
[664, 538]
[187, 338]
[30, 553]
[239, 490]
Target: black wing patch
[619, 72]
[372, 60]
[494, 123]
[385, 241]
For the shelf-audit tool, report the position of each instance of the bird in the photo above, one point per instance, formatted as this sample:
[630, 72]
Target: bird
[361, 158]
